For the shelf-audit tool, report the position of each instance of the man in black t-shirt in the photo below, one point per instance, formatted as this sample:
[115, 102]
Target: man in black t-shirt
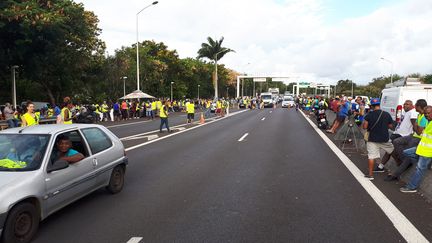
[377, 123]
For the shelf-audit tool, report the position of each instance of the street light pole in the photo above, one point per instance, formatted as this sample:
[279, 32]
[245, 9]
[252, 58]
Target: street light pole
[137, 43]
[352, 89]
[227, 92]
[124, 85]
[391, 75]
[198, 91]
[172, 91]
[14, 87]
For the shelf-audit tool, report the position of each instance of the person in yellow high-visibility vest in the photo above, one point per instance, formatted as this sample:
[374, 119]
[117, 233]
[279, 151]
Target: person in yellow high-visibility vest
[424, 151]
[190, 109]
[163, 114]
[153, 109]
[66, 111]
[29, 118]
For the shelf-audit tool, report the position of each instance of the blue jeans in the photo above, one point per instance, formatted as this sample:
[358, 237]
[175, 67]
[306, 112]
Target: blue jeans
[421, 169]
[164, 121]
[12, 123]
[411, 153]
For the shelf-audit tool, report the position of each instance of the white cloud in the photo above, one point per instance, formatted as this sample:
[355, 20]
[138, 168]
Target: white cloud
[280, 37]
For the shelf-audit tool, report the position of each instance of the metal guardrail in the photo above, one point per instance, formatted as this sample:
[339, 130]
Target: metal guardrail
[4, 124]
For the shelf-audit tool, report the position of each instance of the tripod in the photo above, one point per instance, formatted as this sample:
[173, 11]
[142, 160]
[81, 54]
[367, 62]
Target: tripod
[349, 133]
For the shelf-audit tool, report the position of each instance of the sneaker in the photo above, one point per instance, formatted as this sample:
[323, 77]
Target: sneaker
[391, 178]
[378, 170]
[369, 177]
[407, 190]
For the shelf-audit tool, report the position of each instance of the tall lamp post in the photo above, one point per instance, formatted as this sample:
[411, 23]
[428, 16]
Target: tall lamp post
[124, 85]
[391, 75]
[172, 91]
[198, 91]
[227, 91]
[14, 87]
[352, 89]
[137, 42]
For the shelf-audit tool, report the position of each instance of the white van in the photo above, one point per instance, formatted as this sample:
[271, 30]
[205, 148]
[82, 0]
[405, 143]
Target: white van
[267, 99]
[394, 95]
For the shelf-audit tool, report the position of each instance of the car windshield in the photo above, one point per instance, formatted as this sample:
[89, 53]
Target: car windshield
[288, 99]
[266, 97]
[22, 152]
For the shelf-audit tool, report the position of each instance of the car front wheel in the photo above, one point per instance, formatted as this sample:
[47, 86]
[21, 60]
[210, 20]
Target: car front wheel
[117, 180]
[21, 224]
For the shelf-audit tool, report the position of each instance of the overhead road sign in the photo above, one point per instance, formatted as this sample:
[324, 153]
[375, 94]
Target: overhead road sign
[259, 80]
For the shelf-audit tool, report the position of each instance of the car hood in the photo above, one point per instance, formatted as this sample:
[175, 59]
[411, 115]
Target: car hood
[10, 179]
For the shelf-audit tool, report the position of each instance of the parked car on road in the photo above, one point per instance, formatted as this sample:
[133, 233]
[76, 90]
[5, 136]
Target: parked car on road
[35, 183]
[288, 101]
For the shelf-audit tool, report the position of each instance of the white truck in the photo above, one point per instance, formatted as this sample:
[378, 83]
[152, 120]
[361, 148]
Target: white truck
[394, 95]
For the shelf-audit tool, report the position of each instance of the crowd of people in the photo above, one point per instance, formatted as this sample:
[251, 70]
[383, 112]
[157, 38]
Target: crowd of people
[68, 112]
[408, 141]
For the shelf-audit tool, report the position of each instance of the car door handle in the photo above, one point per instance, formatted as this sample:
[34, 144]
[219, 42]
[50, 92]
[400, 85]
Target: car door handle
[95, 162]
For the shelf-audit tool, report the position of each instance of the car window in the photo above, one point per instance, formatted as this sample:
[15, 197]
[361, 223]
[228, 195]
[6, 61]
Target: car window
[77, 144]
[22, 152]
[97, 139]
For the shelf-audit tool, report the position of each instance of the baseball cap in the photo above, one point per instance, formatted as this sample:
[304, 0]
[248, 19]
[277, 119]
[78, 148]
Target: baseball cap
[375, 101]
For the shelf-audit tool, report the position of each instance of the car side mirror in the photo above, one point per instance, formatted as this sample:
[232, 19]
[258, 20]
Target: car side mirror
[58, 165]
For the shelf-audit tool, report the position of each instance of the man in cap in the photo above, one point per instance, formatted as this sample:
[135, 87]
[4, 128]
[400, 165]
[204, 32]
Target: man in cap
[377, 123]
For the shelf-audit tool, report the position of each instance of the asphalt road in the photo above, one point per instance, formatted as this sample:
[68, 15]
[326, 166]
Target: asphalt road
[280, 183]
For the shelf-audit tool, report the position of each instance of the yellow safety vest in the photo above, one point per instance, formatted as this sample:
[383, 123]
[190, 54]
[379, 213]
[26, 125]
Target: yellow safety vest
[162, 112]
[70, 115]
[50, 112]
[104, 108]
[218, 105]
[8, 163]
[153, 105]
[31, 121]
[419, 118]
[190, 108]
[424, 148]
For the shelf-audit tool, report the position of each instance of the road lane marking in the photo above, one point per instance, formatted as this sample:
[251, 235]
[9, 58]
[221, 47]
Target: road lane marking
[135, 240]
[271, 111]
[400, 221]
[263, 119]
[127, 124]
[243, 137]
[180, 132]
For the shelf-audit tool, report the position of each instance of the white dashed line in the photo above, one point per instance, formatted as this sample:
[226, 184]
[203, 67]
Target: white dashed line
[135, 240]
[243, 137]
[271, 111]
[263, 119]
[400, 222]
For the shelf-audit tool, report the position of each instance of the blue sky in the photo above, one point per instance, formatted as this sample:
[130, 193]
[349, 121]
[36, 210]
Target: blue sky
[337, 10]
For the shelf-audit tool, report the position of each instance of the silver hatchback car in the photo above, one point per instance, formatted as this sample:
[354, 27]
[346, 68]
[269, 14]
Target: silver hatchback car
[44, 168]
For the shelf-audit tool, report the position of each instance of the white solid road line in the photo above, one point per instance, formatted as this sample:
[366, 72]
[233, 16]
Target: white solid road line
[135, 240]
[243, 137]
[262, 119]
[180, 132]
[400, 222]
[176, 127]
[127, 124]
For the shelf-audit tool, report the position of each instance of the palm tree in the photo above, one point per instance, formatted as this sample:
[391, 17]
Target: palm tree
[214, 51]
